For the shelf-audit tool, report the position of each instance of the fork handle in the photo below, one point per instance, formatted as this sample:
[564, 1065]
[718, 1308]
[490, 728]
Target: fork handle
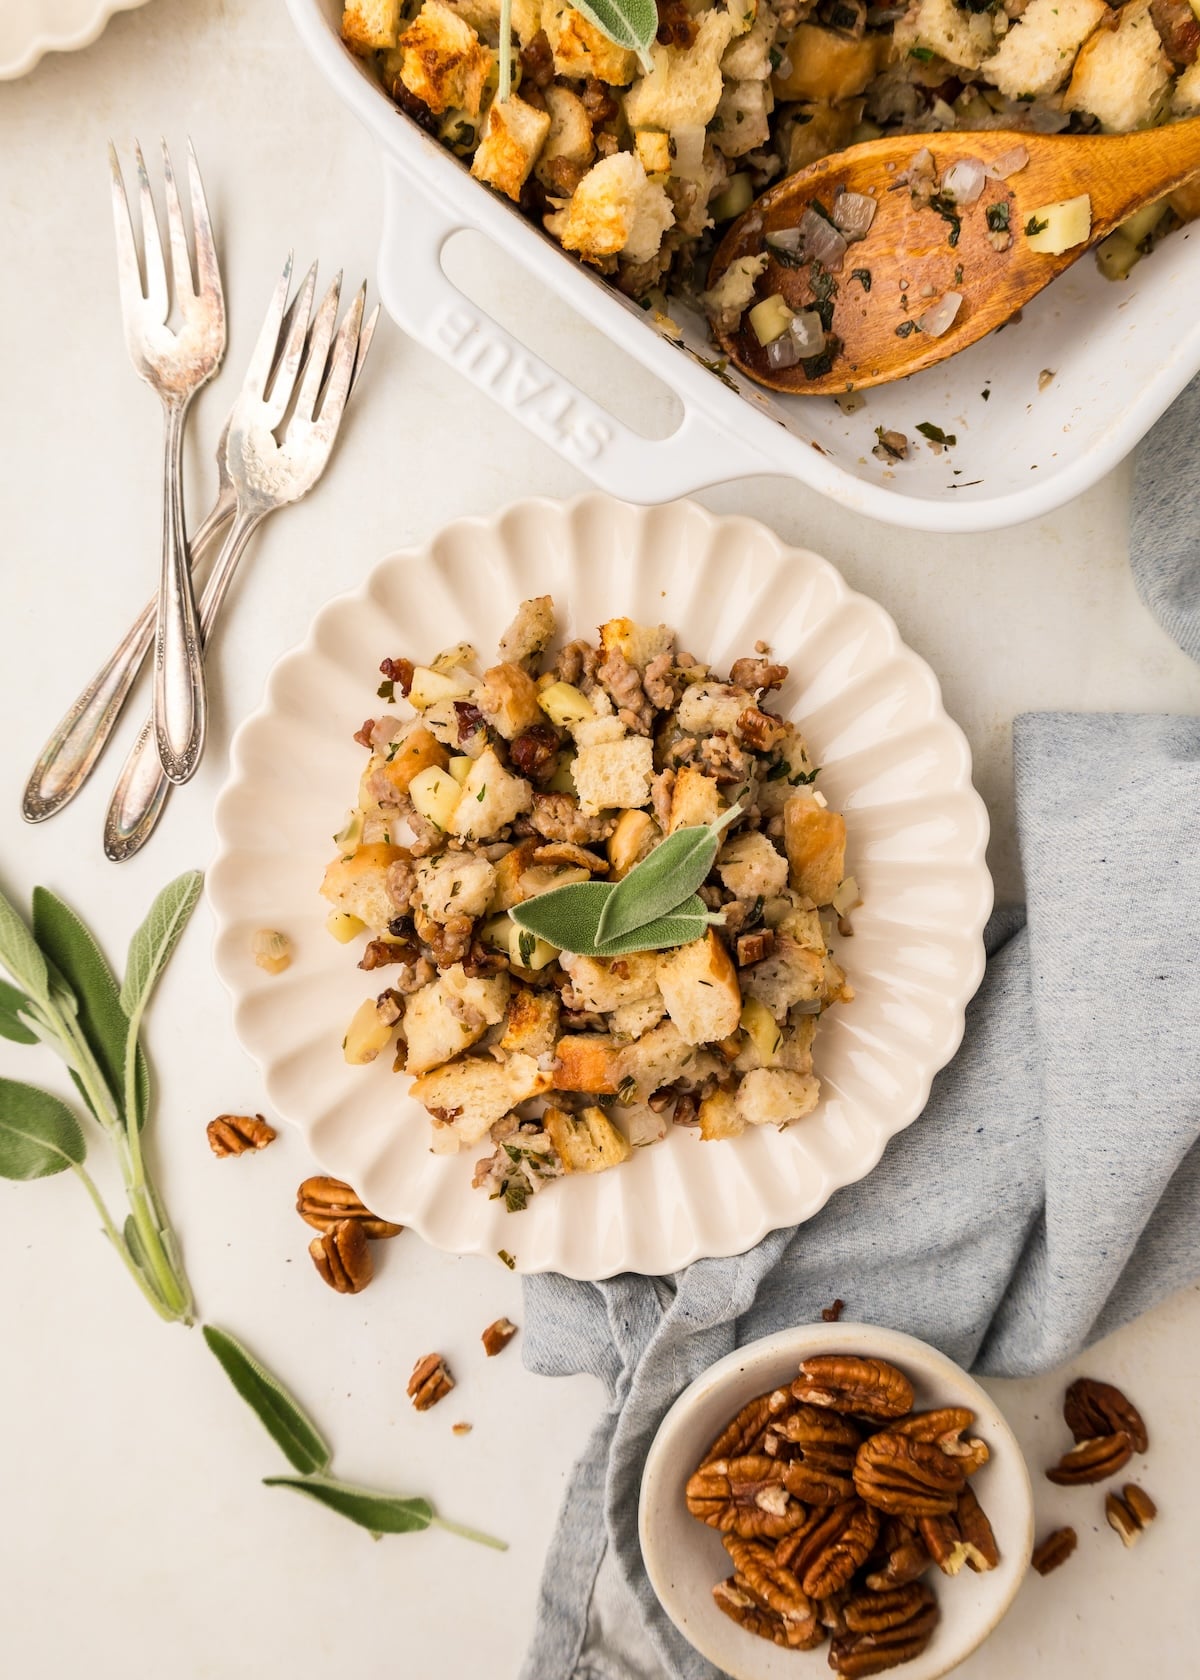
[70, 754]
[180, 700]
[142, 787]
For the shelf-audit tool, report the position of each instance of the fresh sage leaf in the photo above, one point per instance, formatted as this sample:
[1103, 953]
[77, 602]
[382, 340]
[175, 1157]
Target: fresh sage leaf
[293, 1432]
[686, 922]
[567, 917]
[39, 1136]
[71, 948]
[378, 1513]
[20, 955]
[151, 946]
[12, 1002]
[670, 874]
[628, 23]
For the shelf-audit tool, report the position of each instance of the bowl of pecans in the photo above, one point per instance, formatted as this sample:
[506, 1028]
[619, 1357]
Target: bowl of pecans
[839, 1490]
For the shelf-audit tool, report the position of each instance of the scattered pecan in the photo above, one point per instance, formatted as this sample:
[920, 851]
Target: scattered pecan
[830, 1546]
[342, 1257]
[733, 1597]
[885, 1630]
[1092, 1461]
[363, 735]
[753, 947]
[1054, 1550]
[325, 1202]
[846, 1383]
[743, 1496]
[461, 1428]
[832, 1314]
[563, 176]
[234, 1134]
[398, 671]
[430, 1382]
[1130, 1513]
[743, 1433]
[905, 1477]
[757, 675]
[759, 729]
[535, 750]
[944, 1428]
[497, 1336]
[1094, 1408]
[578, 857]
[381, 953]
[1177, 29]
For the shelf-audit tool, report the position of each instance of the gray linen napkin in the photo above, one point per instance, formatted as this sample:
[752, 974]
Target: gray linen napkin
[1048, 1193]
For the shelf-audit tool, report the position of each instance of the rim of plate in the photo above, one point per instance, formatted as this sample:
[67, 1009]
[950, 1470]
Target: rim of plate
[62, 26]
[671, 1204]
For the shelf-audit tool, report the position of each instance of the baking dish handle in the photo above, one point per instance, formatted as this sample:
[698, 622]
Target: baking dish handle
[422, 299]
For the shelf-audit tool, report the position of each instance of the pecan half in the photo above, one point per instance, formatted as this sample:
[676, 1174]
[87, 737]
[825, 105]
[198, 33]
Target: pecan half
[757, 674]
[1130, 1513]
[753, 947]
[744, 1496]
[944, 1428]
[342, 1257]
[846, 1383]
[398, 671]
[885, 1630]
[831, 1545]
[325, 1202]
[833, 1313]
[906, 1477]
[818, 1450]
[740, 1606]
[497, 1336]
[563, 851]
[430, 1382]
[905, 1559]
[1054, 1550]
[962, 1536]
[1092, 1461]
[768, 1580]
[743, 1433]
[381, 953]
[1094, 1408]
[234, 1134]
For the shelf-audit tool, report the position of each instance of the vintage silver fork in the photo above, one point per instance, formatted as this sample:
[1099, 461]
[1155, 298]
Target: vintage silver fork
[176, 365]
[303, 403]
[70, 754]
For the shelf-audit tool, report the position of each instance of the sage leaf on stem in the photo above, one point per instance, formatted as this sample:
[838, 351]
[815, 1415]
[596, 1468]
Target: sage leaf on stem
[289, 1426]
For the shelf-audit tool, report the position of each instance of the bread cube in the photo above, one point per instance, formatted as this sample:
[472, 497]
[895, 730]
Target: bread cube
[455, 884]
[413, 753]
[789, 1046]
[491, 797]
[598, 1062]
[705, 707]
[433, 1031]
[787, 976]
[370, 25]
[616, 210]
[1122, 76]
[750, 867]
[512, 139]
[638, 643]
[444, 63]
[509, 700]
[484, 18]
[599, 984]
[719, 1117]
[700, 988]
[531, 1024]
[613, 774]
[748, 57]
[569, 140]
[742, 120]
[582, 50]
[632, 1020]
[684, 87]
[471, 1093]
[357, 885]
[775, 1096]
[586, 1142]
[827, 65]
[960, 37]
[532, 630]
[695, 799]
[815, 840]
[1036, 55]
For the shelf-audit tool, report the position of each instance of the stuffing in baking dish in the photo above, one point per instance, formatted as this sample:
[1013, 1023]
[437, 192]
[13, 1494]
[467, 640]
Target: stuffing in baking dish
[623, 781]
[634, 163]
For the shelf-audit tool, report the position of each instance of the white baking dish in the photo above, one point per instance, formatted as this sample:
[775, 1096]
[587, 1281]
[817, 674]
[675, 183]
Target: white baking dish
[1119, 355]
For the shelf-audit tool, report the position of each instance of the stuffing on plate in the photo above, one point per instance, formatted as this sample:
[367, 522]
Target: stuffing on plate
[544, 771]
[635, 170]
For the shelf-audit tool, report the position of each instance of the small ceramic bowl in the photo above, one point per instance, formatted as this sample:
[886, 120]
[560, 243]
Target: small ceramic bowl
[685, 1559]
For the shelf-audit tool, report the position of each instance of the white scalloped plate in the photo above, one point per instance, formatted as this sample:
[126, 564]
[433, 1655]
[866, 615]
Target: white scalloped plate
[30, 28]
[891, 760]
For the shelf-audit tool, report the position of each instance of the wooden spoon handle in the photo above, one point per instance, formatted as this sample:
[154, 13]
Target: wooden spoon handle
[1125, 171]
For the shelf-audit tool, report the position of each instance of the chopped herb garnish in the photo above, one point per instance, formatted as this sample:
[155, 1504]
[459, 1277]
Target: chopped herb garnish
[958, 274]
[775, 58]
[1033, 226]
[986, 392]
[777, 771]
[905, 328]
[480, 794]
[935, 434]
[525, 947]
[627, 1090]
[503, 1254]
[863, 276]
[815, 204]
[803, 778]
[386, 690]
[823, 284]
[997, 218]
[923, 54]
[946, 208]
[516, 1195]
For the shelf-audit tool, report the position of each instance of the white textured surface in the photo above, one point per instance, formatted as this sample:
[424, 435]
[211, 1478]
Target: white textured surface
[890, 760]
[137, 1541]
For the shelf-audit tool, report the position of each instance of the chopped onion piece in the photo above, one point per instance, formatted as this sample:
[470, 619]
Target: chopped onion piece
[963, 181]
[820, 241]
[941, 317]
[786, 239]
[853, 214]
[782, 352]
[808, 333]
[688, 162]
[1008, 163]
[847, 896]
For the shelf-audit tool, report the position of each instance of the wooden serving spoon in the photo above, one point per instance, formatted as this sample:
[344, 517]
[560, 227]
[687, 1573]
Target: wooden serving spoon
[913, 256]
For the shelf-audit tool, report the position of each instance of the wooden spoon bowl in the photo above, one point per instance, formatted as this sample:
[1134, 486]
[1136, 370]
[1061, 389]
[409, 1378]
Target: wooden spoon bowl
[913, 256]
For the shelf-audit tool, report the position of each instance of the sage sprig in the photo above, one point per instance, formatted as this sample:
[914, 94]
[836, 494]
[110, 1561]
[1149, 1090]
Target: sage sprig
[67, 998]
[294, 1432]
[654, 907]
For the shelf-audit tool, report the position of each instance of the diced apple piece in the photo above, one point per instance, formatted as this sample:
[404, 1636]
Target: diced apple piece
[366, 1035]
[564, 704]
[1059, 227]
[343, 926]
[435, 794]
